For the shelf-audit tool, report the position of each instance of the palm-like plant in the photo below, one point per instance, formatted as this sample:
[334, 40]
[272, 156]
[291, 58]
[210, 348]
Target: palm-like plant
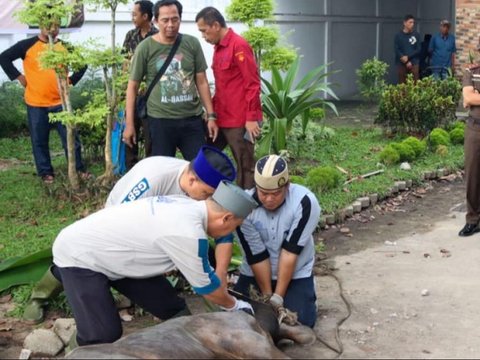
[283, 102]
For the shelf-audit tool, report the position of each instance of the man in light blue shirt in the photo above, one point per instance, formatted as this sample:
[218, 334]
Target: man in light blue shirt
[277, 241]
[442, 49]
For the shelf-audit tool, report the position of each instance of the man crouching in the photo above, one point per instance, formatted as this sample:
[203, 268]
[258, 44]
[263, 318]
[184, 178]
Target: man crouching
[129, 247]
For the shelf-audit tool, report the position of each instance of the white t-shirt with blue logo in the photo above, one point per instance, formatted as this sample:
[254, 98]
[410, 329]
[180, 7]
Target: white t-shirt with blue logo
[156, 175]
[142, 239]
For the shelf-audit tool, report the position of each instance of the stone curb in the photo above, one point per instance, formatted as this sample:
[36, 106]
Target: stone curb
[371, 200]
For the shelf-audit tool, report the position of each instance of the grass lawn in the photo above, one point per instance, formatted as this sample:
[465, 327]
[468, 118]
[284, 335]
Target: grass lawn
[32, 214]
[356, 150]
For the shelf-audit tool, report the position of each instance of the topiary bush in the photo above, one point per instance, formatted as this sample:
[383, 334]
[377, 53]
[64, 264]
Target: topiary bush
[438, 137]
[457, 135]
[405, 151]
[417, 145]
[323, 178]
[389, 155]
[457, 124]
[371, 79]
[297, 179]
[442, 150]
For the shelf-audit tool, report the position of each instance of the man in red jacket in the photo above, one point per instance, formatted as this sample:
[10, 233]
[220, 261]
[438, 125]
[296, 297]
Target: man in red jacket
[237, 92]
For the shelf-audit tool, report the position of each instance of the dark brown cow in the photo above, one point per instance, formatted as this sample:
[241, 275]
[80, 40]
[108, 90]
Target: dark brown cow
[204, 336]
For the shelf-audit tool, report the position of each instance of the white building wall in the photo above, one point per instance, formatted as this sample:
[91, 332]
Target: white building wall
[97, 26]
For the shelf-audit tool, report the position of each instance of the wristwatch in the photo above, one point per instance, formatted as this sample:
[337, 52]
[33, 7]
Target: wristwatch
[212, 116]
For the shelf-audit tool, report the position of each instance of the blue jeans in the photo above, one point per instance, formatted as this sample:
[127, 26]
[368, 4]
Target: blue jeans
[40, 127]
[300, 296]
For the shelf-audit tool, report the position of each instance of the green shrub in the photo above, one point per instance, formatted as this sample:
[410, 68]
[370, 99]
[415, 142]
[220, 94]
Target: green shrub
[323, 178]
[457, 135]
[457, 124]
[438, 137]
[389, 155]
[371, 78]
[417, 145]
[442, 150]
[13, 113]
[418, 107]
[405, 151]
[316, 113]
[297, 179]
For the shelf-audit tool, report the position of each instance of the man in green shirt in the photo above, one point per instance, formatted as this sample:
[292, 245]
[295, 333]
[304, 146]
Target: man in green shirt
[174, 107]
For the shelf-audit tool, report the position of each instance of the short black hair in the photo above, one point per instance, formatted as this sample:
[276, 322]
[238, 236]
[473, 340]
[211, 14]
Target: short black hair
[146, 7]
[408, 17]
[161, 3]
[210, 15]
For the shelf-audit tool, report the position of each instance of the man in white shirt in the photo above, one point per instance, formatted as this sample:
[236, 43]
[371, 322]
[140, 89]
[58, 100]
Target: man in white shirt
[153, 176]
[277, 241]
[129, 247]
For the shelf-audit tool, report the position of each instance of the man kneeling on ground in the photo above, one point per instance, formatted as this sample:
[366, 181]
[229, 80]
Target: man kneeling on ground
[129, 247]
[277, 242]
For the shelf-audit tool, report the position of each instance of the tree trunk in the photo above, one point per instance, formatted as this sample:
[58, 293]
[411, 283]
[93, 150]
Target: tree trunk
[72, 160]
[63, 89]
[108, 175]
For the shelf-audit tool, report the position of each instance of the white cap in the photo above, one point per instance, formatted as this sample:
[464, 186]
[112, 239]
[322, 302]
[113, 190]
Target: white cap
[271, 172]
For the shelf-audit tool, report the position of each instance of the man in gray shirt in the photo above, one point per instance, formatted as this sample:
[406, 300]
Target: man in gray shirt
[277, 241]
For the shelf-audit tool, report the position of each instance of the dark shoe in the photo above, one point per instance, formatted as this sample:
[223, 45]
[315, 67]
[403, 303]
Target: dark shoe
[469, 229]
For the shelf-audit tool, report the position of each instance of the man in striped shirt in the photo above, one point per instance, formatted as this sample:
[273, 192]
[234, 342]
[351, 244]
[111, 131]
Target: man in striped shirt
[277, 241]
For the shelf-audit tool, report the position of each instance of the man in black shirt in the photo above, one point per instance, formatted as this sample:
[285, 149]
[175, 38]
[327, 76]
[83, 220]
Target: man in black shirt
[142, 15]
[407, 50]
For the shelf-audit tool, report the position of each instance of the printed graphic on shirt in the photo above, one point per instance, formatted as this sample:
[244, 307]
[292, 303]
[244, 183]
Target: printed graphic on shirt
[240, 56]
[175, 84]
[412, 40]
[164, 199]
[137, 191]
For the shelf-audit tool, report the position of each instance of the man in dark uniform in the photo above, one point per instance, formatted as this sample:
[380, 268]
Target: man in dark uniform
[142, 14]
[471, 100]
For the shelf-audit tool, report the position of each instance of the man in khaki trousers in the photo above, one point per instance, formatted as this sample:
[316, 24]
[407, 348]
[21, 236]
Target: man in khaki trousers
[471, 100]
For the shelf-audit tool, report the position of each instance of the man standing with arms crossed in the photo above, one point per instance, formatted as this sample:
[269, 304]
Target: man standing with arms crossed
[471, 101]
[142, 15]
[237, 92]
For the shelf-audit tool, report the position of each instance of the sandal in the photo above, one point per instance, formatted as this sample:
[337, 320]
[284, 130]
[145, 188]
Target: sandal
[48, 179]
[85, 175]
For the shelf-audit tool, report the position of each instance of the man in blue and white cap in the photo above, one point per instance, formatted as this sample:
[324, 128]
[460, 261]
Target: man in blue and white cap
[277, 242]
[164, 175]
[130, 246]
[153, 176]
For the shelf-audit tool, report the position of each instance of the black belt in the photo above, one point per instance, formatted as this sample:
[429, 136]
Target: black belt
[473, 120]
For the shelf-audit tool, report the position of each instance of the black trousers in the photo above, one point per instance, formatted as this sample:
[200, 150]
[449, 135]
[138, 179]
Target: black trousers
[166, 135]
[131, 153]
[93, 306]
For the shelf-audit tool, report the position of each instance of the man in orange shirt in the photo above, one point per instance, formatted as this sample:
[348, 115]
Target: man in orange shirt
[42, 97]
